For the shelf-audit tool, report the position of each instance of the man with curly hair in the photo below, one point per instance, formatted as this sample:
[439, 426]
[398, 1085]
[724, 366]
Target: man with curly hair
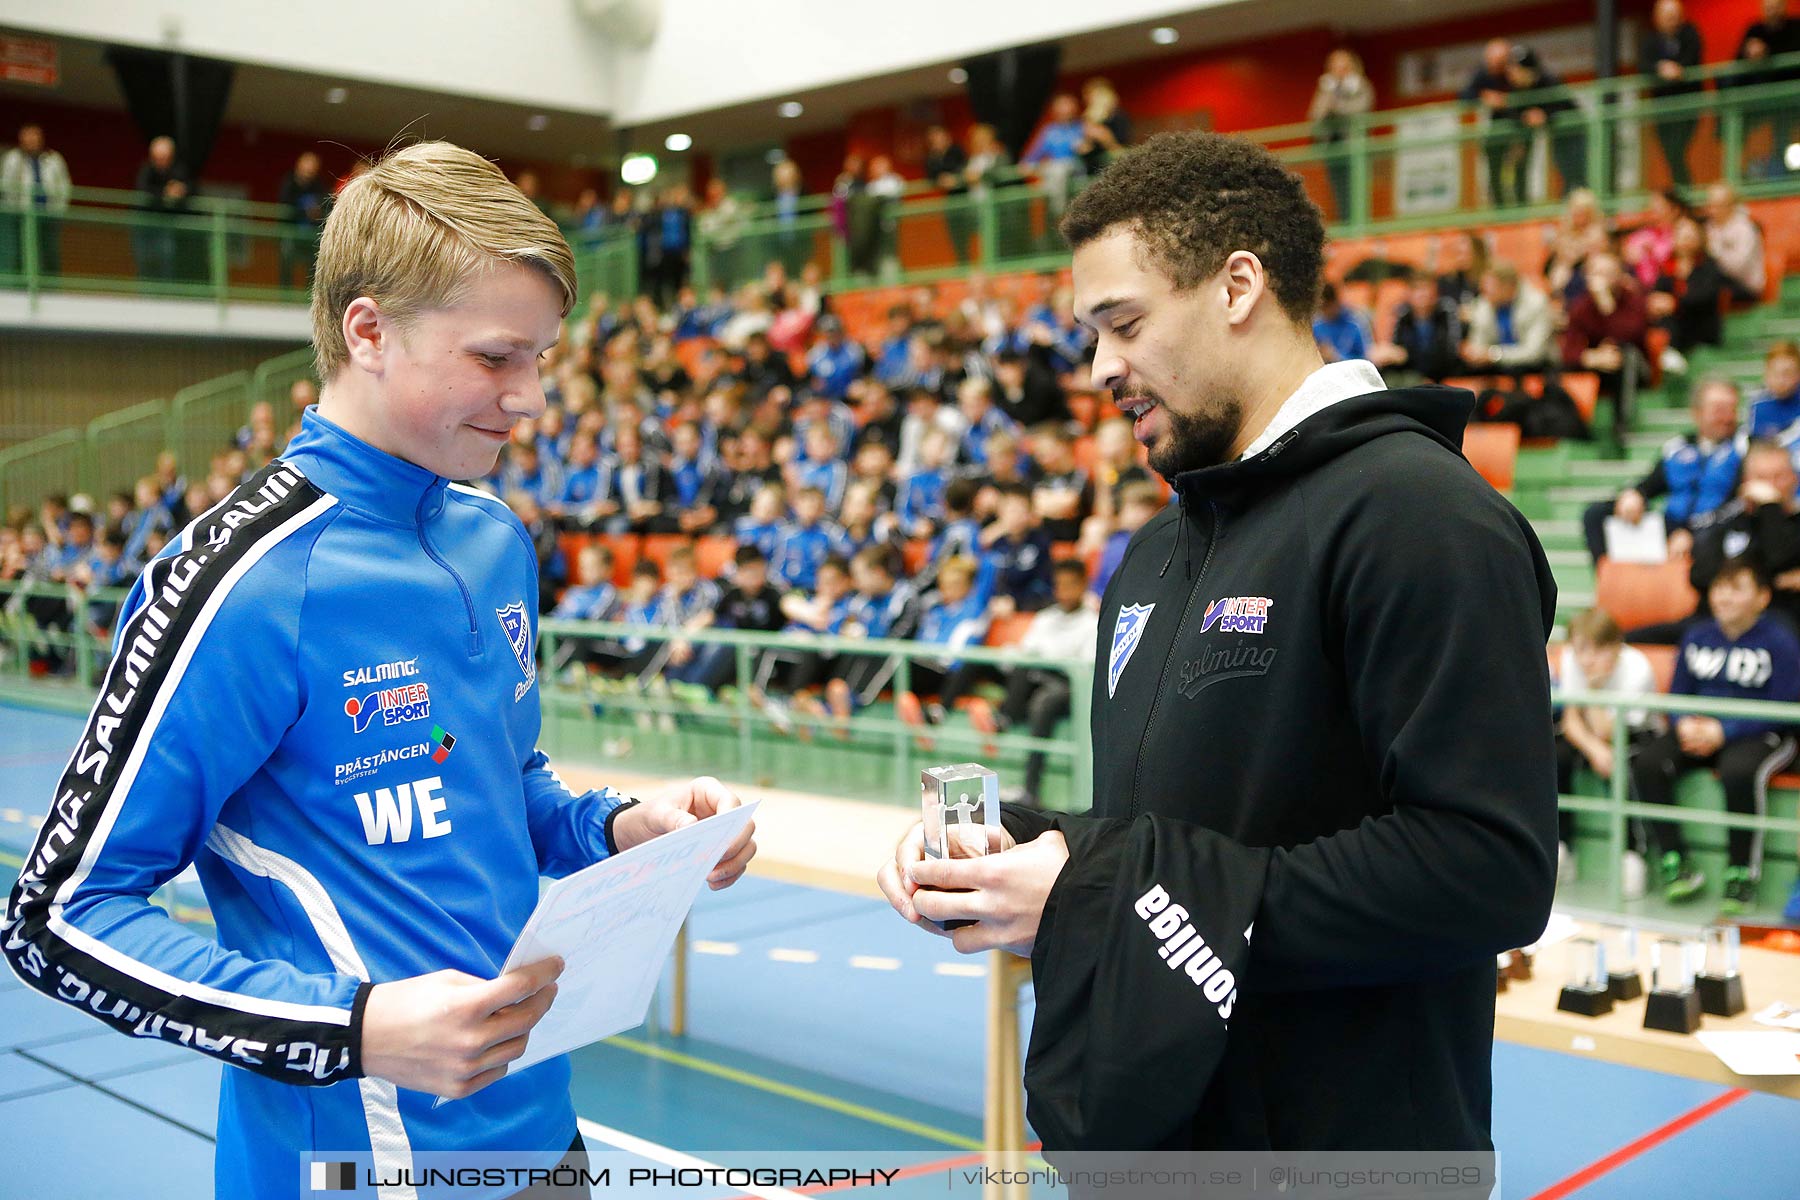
[1324, 779]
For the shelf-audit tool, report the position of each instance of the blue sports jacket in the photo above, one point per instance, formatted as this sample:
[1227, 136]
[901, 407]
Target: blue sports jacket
[323, 694]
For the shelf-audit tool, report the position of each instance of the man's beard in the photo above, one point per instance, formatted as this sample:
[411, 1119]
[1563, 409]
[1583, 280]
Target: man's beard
[1195, 440]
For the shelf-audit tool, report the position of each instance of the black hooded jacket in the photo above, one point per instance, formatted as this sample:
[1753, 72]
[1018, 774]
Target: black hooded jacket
[1323, 754]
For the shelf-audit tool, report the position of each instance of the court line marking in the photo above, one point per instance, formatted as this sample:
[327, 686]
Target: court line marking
[119, 1096]
[961, 970]
[669, 1158]
[791, 1092]
[783, 954]
[874, 962]
[702, 946]
[1649, 1141]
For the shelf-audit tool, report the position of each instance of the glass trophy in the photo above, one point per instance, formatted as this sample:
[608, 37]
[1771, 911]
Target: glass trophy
[1622, 978]
[1673, 1006]
[1587, 992]
[960, 806]
[1719, 985]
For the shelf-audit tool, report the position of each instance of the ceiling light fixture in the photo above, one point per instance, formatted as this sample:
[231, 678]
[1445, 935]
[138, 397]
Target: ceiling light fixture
[958, 75]
[537, 122]
[790, 108]
[1164, 35]
[637, 169]
[677, 142]
[336, 95]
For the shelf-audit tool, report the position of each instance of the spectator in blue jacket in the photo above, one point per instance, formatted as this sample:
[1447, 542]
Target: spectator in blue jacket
[1017, 552]
[921, 502]
[836, 362]
[761, 528]
[1775, 410]
[1697, 471]
[1741, 653]
[1341, 331]
[823, 467]
[955, 616]
[805, 542]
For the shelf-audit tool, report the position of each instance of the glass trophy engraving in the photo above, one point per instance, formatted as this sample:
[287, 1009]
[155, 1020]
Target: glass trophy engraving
[960, 806]
[1622, 978]
[1587, 992]
[1673, 1005]
[1720, 987]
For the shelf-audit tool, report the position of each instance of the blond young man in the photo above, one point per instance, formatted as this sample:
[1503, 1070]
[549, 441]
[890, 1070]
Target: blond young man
[324, 695]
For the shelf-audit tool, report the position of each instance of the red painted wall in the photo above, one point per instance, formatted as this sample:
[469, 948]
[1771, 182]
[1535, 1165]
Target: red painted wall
[104, 149]
[1241, 86]
[1248, 85]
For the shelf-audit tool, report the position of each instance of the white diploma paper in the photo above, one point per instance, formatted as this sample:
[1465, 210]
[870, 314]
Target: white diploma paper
[1645, 542]
[613, 925]
[1754, 1052]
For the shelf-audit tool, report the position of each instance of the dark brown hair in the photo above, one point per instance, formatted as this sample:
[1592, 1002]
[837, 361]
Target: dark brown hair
[1194, 199]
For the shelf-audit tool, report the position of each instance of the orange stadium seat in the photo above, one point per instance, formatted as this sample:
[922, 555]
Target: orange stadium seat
[1009, 630]
[1583, 388]
[625, 550]
[571, 545]
[658, 545]
[713, 554]
[1493, 450]
[1662, 661]
[1638, 594]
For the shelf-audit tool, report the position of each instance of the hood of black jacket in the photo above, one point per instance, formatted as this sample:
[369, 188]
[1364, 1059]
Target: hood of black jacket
[1439, 413]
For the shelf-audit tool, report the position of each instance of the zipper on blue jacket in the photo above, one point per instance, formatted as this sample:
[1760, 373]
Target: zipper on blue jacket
[468, 600]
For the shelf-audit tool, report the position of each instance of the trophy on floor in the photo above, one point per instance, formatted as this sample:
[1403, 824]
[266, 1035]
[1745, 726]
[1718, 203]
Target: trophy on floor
[1673, 1006]
[1587, 992]
[1719, 985]
[1622, 978]
[961, 810]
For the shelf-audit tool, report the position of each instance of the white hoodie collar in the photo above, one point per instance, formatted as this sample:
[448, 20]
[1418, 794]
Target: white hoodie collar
[1317, 392]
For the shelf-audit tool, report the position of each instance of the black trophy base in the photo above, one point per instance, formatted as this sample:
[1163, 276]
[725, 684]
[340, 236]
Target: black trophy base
[1585, 1002]
[1672, 1012]
[1626, 985]
[1720, 995]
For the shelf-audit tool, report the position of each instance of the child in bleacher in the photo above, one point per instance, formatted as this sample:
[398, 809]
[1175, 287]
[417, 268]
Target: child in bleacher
[878, 607]
[961, 533]
[921, 504]
[1063, 495]
[594, 596]
[821, 468]
[1038, 697]
[862, 523]
[1598, 660]
[1137, 504]
[954, 616]
[804, 542]
[760, 529]
[1741, 653]
[1018, 554]
[642, 607]
[750, 603]
[873, 464]
[689, 603]
[1776, 408]
[581, 485]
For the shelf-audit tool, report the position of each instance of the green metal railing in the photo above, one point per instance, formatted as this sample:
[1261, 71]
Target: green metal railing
[895, 744]
[116, 449]
[1391, 170]
[730, 735]
[1618, 808]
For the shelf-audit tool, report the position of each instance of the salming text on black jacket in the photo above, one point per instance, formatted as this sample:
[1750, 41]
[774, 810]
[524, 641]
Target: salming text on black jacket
[1324, 799]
